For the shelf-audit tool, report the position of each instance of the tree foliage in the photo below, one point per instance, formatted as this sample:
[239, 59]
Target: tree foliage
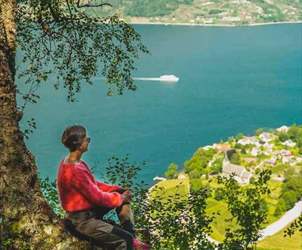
[294, 133]
[174, 222]
[291, 191]
[294, 227]
[198, 164]
[50, 192]
[58, 39]
[171, 171]
[247, 206]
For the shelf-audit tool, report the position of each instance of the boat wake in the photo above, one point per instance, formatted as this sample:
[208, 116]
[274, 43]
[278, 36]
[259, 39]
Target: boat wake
[163, 78]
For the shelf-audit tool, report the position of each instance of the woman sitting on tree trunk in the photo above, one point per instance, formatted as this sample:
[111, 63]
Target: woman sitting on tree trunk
[87, 200]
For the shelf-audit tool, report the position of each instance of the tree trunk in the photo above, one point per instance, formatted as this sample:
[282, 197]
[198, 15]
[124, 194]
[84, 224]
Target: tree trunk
[27, 221]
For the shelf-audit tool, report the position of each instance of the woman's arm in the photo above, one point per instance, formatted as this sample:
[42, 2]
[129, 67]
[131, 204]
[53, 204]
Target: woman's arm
[109, 188]
[103, 186]
[84, 182]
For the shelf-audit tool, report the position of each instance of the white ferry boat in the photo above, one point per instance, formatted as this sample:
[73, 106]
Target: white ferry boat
[168, 78]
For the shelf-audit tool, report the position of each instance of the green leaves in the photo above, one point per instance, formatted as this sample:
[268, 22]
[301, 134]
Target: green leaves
[171, 171]
[248, 207]
[295, 226]
[123, 173]
[29, 129]
[291, 190]
[174, 222]
[50, 193]
[57, 38]
[178, 222]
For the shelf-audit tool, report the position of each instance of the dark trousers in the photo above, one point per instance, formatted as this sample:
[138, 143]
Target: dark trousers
[89, 225]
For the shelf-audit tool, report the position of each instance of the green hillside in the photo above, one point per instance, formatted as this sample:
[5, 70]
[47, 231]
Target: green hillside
[276, 150]
[208, 11]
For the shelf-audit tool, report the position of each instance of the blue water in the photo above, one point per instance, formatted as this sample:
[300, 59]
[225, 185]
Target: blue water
[232, 80]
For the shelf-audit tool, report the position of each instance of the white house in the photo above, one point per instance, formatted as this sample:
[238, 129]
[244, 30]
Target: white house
[287, 159]
[268, 148]
[231, 18]
[298, 159]
[272, 161]
[283, 129]
[289, 143]
[248, 140]
[266, 137]
[268, 145]
[255, 151]
[284, 152]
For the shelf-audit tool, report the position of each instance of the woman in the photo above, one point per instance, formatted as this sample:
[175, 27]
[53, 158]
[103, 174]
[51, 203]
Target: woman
[87, 200]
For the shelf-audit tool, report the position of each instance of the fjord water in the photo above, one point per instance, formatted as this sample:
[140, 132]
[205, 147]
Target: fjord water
[232, 80]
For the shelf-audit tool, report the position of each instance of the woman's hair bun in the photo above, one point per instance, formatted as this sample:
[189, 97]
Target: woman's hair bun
[73, 136]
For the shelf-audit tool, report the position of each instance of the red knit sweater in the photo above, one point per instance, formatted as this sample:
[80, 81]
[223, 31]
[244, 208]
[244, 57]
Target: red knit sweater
[78, 189]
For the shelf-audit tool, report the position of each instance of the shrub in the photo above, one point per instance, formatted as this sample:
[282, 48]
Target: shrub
[290, 198]
[281, 208]
[215, 11]
[217, 166]
[235, 158]
[171, 171]
[219, 194]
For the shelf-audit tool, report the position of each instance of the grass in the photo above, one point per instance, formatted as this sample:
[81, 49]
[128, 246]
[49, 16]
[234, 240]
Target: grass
[279, 242]
[278, 169]
[221, 221]
[272, 200]
[169, 188]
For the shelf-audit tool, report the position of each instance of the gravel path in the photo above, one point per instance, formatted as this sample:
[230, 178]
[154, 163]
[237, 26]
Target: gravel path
[287, 218]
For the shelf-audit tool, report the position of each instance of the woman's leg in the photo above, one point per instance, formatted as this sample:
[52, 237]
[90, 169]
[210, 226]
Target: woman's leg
[126, 217]
[105, 235]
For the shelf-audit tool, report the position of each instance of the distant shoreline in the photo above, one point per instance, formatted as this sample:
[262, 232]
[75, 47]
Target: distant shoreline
[214, 25]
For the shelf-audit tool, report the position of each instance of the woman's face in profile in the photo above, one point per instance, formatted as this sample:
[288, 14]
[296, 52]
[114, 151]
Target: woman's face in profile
[85, 143]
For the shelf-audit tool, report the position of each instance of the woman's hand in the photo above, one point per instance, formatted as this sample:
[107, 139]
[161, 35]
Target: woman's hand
[126, 196]
[122, 190]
